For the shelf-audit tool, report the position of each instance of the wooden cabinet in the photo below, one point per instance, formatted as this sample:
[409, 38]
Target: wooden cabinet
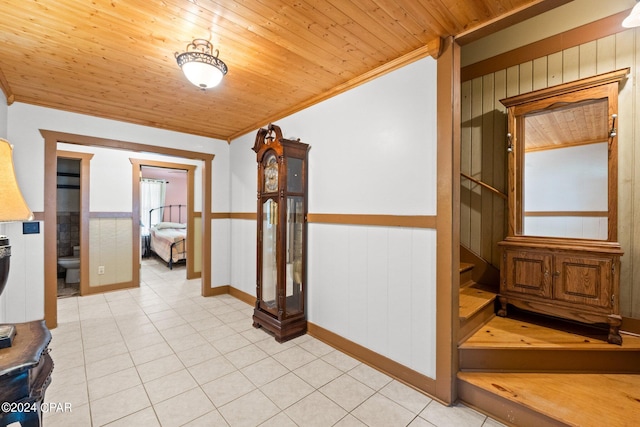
[575, 280]
[587, 279]
[527, 273]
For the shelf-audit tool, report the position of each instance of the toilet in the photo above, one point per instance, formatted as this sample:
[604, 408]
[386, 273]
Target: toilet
[72, 265]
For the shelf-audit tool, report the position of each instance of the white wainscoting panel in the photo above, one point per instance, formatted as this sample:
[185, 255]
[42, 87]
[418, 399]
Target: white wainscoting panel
[24, 292]
[399, 294]
[376, 287]
[355, 328]
[243, 255]
[220, 252]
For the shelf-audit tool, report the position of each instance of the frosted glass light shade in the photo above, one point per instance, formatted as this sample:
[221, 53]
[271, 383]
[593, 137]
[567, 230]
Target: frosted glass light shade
[202, 74]
[12, 204]
[200, 66]
[633, 20]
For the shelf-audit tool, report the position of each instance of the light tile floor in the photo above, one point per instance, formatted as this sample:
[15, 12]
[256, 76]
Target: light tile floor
[162, 355]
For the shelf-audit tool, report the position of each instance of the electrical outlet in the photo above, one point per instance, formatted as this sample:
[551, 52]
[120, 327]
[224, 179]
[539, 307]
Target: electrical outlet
[101, 269]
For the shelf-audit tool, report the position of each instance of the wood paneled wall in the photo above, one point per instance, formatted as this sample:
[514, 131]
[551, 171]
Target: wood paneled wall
[483, 140]
[483, 157]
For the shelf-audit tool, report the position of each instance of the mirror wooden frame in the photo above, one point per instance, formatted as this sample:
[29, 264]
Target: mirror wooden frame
[597, 87]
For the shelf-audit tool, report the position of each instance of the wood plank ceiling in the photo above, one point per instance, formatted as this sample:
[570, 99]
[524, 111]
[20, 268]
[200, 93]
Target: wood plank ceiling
[580, 123]
[115, 58]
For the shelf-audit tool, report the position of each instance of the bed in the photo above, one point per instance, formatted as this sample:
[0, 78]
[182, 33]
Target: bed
[168, 234]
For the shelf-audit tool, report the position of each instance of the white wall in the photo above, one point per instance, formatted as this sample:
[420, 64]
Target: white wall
[26, 121]
[110, 180]
[373, 151]
[569, 179]
[111, 190]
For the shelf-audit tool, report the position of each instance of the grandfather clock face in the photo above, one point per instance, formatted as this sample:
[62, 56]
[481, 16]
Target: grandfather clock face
[271, 173]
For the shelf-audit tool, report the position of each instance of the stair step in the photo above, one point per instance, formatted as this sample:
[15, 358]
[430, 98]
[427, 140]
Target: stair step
[536, 344]
[474, 299]
[552, 399]
[477, 307]
[466, 274]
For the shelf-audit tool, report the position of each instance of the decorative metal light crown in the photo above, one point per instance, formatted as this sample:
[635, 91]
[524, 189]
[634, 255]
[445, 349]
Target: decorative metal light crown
[633, 20]
[200, 65]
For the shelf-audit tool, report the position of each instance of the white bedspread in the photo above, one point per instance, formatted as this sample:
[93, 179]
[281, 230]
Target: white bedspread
[161, 240]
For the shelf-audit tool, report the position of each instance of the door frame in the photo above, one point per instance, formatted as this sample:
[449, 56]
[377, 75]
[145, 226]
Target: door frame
[85, 173]
[136, 175]
[51, 140]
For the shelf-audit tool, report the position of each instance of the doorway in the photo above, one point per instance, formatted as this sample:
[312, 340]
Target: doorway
[195, 242]
[164, 201]
[68, 226]
[51, 140]
[72, 217]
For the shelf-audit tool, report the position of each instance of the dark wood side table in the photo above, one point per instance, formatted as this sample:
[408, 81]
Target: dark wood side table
[25, 373]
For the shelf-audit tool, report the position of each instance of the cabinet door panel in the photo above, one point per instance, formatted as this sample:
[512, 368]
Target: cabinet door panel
[583, 280]
[528, 273]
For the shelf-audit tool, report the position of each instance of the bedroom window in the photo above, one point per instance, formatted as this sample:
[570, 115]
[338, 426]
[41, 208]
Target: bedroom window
[152, 195]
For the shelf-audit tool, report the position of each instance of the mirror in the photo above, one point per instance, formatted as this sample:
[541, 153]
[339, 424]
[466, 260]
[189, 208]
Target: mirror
[563, 160]
[565, 187]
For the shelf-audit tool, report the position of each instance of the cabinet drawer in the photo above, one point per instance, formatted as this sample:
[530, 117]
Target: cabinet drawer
[583, 280]
[528, 273]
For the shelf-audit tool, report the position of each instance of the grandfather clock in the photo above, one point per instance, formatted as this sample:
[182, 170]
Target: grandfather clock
[282, 234]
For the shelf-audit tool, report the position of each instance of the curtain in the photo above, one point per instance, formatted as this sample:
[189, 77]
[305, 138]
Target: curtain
[152, 194]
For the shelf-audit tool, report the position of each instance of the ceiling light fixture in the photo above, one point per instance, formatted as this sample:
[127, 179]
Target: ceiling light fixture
[200, 65]
[633, 20]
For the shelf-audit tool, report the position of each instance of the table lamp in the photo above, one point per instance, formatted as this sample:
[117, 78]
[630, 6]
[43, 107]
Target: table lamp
[12, 208]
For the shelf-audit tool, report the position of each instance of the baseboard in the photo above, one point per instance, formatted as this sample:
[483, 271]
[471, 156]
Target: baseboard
[90, 290]
[630, 325]
[242, 296]
[218, 290]
[392, 368]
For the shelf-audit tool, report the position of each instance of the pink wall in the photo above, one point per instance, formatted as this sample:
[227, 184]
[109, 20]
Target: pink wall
[176, 187]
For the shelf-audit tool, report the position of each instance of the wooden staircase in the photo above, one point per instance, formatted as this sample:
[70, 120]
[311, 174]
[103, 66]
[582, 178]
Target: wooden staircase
[529, 369]
[477, 302]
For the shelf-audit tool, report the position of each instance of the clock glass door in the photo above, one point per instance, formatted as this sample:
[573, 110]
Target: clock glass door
[269, 259]
[294, 253]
